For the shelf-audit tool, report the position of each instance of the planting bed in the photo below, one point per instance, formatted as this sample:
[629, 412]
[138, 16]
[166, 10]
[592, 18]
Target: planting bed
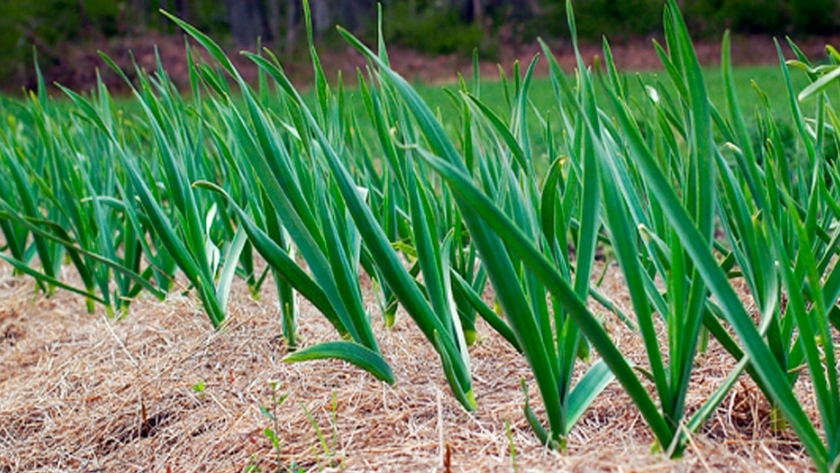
[74, 387]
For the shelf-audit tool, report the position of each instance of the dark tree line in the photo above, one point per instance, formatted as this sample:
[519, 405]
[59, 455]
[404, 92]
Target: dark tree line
[276, 21]
[280, 20]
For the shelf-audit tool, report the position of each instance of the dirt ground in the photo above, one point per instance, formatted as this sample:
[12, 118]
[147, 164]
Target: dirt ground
[80, 392]
[75, 65]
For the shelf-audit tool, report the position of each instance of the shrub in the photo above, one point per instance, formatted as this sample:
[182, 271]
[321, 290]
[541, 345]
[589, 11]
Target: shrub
[436, 31]
[814, 16]
[754, 16]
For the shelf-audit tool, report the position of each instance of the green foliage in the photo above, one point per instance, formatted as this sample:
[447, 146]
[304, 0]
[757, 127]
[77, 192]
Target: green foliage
[436, 30]
[618, 18]
[709, 17]
[49, 22]
[754, 16]
[814, 16]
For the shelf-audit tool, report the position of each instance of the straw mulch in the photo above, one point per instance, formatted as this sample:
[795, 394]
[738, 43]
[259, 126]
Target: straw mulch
[79, 392]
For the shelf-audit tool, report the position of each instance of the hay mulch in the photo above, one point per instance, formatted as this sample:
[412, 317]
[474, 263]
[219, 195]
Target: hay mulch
[80, 392]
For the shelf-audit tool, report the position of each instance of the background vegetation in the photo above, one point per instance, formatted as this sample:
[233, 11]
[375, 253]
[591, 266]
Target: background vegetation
[432, 26]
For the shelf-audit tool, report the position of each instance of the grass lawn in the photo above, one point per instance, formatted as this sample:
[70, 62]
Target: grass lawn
[749, 80]
[767, 79]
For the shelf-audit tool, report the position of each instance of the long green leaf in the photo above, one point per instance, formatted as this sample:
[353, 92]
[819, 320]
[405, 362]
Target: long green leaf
[351, 352]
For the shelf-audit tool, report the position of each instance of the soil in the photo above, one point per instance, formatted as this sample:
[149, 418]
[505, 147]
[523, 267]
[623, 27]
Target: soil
[75, 65]
[162, 391]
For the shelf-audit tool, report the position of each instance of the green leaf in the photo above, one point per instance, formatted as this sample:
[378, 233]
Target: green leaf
[587, 389]
[351, 352]
[820, 85]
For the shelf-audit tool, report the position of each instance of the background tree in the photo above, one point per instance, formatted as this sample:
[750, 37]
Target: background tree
[248, 21]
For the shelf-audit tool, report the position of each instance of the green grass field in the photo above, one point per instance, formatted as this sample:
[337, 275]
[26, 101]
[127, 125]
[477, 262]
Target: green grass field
[768, 79]
[749, 80]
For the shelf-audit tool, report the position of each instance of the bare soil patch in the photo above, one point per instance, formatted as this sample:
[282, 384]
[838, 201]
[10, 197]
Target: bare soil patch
[79, 392]
[75, 65]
